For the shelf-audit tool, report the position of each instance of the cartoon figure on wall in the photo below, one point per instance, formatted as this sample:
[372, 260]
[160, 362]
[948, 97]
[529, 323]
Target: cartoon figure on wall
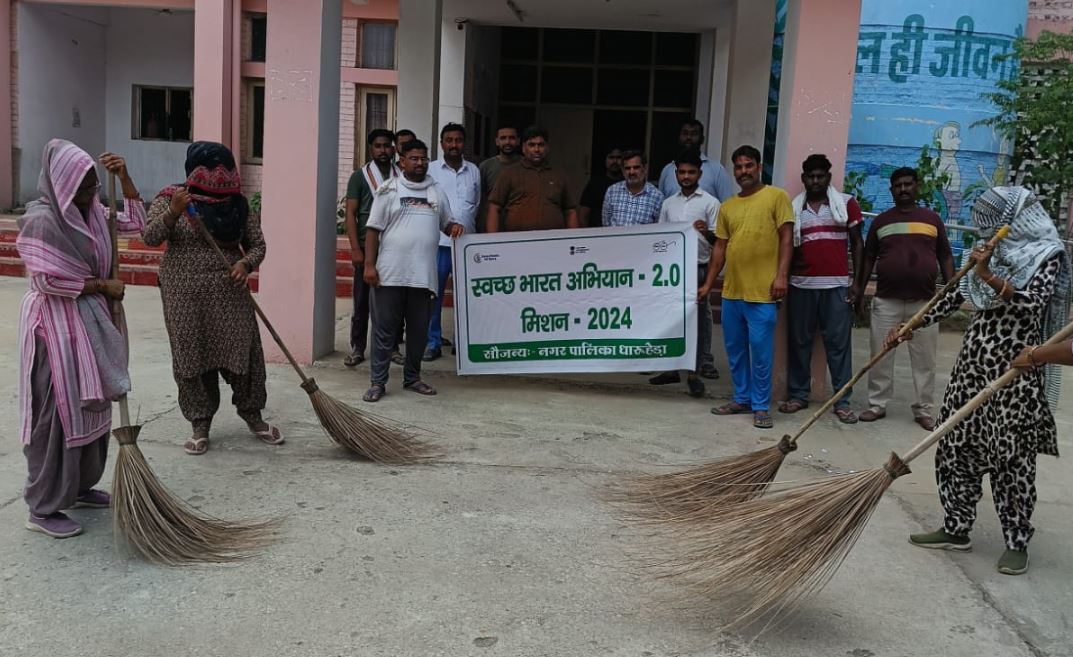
[948, 136]
[1001, 175]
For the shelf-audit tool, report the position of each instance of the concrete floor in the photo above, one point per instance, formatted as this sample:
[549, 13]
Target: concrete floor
[503, 548]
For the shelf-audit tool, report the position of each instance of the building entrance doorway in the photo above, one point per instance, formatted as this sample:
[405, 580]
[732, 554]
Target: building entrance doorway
[595, 90]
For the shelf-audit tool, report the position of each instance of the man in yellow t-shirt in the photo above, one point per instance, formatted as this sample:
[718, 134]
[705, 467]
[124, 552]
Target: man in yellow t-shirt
[754, 239]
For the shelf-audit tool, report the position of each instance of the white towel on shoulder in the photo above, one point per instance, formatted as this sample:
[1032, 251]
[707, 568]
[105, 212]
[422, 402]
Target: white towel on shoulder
[835, 199]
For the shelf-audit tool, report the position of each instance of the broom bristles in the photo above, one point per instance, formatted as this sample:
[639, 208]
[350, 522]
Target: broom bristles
[762, 557]
[366, 435]
[694, 494]
[161, 527]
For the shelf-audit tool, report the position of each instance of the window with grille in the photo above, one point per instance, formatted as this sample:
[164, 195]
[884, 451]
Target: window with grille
[161, 113]
[253, 125]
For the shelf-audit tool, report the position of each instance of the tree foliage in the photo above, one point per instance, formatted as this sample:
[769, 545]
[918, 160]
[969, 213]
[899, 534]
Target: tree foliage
[1034, 112]
[931, 181]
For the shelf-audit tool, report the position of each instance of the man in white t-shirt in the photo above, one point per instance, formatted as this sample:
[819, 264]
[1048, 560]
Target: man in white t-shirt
[402, 236]
[692, 205]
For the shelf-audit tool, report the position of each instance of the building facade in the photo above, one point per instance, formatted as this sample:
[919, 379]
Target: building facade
[293, 85]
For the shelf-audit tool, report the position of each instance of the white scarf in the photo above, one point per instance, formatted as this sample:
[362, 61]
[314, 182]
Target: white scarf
[836, 200]
[374, 177]
[428, 185]
[1033, 240]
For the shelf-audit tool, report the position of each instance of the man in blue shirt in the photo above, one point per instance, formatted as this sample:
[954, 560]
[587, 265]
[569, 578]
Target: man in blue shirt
[714, 179]
[634, 201]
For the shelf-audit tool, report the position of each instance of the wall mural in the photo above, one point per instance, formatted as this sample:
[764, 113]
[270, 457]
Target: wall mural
[921, 69]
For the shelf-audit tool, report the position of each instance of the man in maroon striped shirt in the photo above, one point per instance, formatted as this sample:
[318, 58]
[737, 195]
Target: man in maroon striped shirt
[820, 295]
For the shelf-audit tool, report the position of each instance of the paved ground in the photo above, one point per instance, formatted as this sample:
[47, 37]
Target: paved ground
[503, 549]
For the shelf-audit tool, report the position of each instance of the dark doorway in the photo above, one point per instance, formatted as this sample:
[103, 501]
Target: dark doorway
[623, 129]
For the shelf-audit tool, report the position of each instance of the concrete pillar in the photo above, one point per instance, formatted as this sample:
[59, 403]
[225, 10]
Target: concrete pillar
[816, 96]
[214, 63]
[718, 92]
[301, 154]
[418, 103]
[750, 73]
[815, 99]
[452, 74]
[7, 153]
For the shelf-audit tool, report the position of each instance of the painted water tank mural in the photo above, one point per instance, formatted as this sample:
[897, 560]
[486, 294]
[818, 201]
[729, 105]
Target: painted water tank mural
[921, 69]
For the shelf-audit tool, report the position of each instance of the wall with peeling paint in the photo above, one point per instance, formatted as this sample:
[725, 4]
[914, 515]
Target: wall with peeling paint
[921, 69]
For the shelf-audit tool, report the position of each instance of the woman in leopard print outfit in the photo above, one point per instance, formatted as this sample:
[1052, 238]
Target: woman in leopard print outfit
[1021, 296]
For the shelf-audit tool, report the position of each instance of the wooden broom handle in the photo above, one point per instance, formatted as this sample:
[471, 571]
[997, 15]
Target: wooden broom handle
[978, 400]
[257, 308]
[117, 305]
[915, 321]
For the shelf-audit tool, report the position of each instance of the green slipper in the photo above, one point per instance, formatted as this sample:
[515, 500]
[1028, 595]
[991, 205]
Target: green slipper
[1013, 562]
[940, 540]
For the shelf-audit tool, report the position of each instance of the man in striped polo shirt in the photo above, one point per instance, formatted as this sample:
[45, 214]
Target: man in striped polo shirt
[820, 295]
[908, 247]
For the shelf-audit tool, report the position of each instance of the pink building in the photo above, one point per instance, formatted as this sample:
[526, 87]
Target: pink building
[294, 85]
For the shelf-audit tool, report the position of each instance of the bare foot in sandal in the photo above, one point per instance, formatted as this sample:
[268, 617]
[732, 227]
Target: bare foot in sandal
[266, 433]
[197, 444]
[420, 387]
[762, 420]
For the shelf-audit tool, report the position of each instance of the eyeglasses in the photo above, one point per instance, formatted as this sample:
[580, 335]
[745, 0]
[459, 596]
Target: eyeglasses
[416, 158]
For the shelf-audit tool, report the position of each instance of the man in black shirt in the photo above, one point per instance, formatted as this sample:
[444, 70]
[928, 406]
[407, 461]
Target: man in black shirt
[591, 205]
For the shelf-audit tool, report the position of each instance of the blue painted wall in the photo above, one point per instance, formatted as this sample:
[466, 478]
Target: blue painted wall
[921, 69]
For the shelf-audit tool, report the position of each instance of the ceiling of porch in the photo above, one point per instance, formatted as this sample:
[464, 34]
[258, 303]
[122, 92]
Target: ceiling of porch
[649, 15]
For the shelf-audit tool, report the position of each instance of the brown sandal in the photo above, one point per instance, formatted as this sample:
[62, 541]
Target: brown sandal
[374, 393]
[421, 388]
[792, 406]
[733, 408]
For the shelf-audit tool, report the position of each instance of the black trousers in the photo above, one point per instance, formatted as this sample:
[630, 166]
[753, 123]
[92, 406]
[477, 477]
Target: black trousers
[390, 307]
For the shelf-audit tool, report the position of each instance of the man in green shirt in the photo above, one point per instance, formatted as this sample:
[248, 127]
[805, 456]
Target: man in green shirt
[359, 201]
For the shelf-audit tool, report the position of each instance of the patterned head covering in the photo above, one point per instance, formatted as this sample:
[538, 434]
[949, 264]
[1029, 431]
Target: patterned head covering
[216, 188]
[1033, 240]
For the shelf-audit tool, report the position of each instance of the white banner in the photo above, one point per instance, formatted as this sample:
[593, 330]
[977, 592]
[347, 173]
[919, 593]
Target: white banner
[585, 300]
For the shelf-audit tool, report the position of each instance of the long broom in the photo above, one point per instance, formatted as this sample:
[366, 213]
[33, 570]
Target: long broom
[369, 436]
[147, 517]
[765, 555]
[690, 494]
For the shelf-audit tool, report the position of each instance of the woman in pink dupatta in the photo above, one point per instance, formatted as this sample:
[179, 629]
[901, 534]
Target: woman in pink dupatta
[73, 358]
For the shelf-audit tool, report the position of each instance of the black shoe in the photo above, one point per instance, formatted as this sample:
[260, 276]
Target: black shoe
[709, 372]
[432, 354]
[665, 378]
[696, 387]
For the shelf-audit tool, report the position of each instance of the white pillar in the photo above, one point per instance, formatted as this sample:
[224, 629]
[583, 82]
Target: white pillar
[419, 68]
[750, 74]
[718, 90]
[452, 73]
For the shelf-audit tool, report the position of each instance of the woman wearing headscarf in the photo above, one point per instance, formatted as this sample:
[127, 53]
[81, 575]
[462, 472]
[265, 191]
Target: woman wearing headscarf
[73, 358]
[207, 310]
[1020, 291]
